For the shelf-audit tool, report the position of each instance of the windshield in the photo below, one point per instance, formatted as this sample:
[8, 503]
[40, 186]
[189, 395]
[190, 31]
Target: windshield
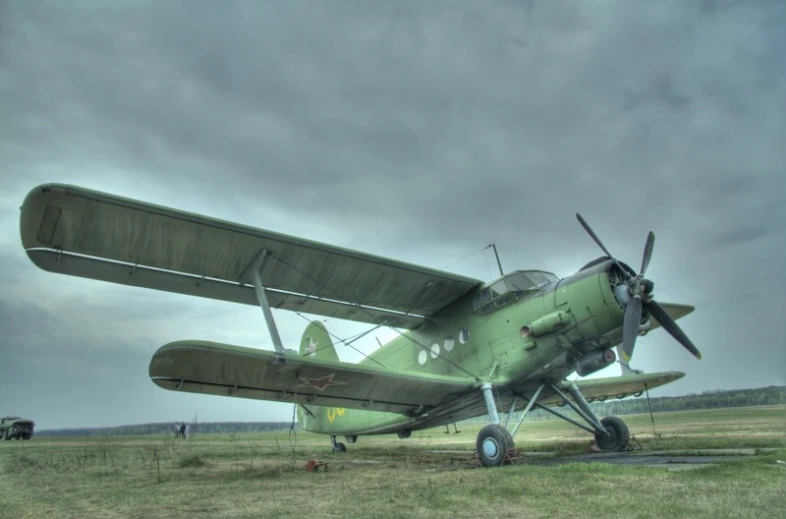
[521, 281]
[511, 287]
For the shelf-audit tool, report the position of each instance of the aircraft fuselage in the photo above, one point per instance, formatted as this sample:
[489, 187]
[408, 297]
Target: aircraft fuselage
[517, 339]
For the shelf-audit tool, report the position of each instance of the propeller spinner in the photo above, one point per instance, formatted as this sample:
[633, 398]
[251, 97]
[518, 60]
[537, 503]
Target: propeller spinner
[639, 291]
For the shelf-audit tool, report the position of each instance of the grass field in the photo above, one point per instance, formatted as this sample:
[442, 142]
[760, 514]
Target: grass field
[238, 476]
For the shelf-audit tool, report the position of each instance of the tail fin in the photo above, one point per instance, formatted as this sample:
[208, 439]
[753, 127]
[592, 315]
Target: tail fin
[316, 342]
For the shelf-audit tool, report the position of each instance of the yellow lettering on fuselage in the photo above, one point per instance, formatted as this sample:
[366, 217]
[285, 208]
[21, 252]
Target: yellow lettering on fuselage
[333, 412]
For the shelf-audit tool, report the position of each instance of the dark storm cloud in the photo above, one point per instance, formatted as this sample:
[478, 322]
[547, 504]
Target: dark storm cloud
[377, 118]
[417, 130]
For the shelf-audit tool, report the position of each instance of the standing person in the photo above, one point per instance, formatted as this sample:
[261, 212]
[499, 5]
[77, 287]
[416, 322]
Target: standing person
[183, 430]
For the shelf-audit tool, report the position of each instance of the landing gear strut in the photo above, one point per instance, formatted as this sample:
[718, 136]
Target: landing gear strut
[337, 446]
[494, 440]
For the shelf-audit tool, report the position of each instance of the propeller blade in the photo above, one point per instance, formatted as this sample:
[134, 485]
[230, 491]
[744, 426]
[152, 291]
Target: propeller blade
[600, 244]
[645, 260]
[665, 320]
[630, 327]
[592, 233]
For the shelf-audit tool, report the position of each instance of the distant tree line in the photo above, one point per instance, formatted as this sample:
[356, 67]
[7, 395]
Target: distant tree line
[168, 428]
[772, 395]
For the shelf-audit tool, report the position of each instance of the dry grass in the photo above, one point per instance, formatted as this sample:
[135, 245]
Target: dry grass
[382, 477]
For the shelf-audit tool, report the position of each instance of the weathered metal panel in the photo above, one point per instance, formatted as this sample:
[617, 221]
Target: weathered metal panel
[222, 369]
[119, 229]
[125, 274]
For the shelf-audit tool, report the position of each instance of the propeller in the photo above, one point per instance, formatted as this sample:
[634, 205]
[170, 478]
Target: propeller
[639, 292]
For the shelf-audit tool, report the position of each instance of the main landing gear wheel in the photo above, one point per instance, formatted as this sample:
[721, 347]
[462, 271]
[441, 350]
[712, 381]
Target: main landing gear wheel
[492, 444]
[617, 438]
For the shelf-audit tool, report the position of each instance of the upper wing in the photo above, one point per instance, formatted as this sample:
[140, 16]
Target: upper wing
[616, 387]
[221, 369]
[86, 233]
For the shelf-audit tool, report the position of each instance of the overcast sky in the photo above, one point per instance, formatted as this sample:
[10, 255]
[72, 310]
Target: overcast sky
[418, 130]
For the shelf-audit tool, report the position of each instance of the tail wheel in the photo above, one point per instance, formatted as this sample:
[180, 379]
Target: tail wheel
[340, 447]
[492, 444]
[617, 436]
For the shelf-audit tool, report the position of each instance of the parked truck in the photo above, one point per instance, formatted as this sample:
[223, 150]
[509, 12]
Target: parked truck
[15, 428]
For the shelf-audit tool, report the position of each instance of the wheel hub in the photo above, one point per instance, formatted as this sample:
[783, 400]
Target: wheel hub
[490, 447]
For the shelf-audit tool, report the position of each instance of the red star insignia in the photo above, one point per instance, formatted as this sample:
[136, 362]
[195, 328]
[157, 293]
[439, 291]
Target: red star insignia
[319, 383]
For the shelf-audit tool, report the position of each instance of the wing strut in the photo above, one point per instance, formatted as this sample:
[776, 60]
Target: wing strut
[252, 273]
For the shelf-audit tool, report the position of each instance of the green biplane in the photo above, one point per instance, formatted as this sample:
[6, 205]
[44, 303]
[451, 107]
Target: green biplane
[465, 349]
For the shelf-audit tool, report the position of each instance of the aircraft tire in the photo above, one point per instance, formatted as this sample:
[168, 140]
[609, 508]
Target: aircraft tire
[340, 447]
[403, 435]
[618, 437]
[492, 443]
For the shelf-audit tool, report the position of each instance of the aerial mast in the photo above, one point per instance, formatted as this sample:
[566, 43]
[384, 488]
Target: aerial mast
[493, 246]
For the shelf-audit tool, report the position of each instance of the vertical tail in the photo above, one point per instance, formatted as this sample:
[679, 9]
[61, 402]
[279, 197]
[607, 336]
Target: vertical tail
[316, 342]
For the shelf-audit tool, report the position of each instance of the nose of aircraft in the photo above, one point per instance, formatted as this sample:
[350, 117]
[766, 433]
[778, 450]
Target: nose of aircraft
[639, 301]
[591, 298]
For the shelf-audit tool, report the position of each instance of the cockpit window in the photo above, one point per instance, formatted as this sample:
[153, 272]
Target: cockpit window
[538, 278]
[498, 289]
[513, 286]
[519, 282]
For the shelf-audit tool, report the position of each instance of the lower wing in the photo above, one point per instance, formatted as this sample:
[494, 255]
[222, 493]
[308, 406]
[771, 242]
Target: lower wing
[221, 369]
[617, 387]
